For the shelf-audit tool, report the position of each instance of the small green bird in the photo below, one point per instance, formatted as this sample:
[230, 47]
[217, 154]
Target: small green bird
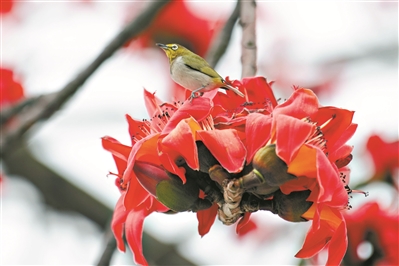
[192, 71]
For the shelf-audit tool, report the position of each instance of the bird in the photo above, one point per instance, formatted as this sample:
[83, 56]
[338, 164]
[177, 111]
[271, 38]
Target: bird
[192, 71]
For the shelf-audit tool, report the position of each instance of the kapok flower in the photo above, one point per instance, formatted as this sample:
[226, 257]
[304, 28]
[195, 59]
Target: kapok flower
[6, 6]
[311, 139]
[378, 227]
[385, 159]
[11, 90]
[306, 152]
[185, 28]
[130, 211]
[222, 155]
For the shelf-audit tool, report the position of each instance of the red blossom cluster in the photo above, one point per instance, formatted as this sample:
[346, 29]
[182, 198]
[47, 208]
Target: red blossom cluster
[378, 226]
[6, 6]
[385, 156]
[220, 153]
[11, 90]
[176, 23]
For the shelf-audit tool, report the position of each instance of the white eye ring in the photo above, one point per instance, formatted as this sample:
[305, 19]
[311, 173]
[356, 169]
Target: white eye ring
[174, 47]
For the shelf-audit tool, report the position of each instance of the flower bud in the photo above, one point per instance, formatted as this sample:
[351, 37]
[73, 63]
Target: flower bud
[269, 167]
[178, 196]
[218, 174]
[291, 207]
[149, 175]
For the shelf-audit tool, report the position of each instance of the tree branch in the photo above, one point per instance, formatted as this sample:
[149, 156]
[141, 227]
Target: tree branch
[109, 249]
[220, 43]
[61, 195]
[49, 104]
[248, 43]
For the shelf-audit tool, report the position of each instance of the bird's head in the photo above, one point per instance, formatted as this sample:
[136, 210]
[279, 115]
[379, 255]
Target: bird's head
[173, 50]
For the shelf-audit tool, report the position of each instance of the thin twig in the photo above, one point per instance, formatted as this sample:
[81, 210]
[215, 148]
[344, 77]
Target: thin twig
[248, 43]
[50, 103]
[109, 249]
[220, 43]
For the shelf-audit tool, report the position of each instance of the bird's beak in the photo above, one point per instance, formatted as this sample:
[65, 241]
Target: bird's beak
[163, 46]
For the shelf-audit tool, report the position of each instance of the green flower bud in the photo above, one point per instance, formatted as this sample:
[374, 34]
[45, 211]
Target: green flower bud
[178, 196]
[270, 168]
[149, 175]
[218, 174]
[291, 207]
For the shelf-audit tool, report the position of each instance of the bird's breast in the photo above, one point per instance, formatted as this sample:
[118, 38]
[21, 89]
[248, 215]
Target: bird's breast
[189, 78]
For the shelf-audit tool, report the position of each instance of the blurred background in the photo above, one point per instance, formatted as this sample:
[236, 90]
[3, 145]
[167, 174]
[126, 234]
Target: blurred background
[56, 197]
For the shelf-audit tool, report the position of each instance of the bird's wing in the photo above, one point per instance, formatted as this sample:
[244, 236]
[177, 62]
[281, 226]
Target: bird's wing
[200, 65]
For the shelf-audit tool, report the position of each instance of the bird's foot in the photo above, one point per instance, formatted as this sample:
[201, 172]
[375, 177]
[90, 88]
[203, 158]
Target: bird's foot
[195, 94]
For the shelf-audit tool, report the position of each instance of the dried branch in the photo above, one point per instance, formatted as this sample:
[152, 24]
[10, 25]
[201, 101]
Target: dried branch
[248, 43]
[220, 43]
[49, 104]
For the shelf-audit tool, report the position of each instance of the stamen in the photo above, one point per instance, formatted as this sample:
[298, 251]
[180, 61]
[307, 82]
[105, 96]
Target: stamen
[268, 106]
[145, 128]
[207, 123]
[328, 121]
[317, 139]
[366, 193]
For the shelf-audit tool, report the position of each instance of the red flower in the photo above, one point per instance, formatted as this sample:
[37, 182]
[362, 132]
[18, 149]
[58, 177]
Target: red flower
[385, 158]
[11, 90]
[245, 225]
[223, 155]
[6, 6]
[310, 139]
[176, 23]
[377, 226]
[129, 213]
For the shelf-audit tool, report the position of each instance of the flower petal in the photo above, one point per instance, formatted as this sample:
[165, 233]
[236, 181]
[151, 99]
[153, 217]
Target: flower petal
[137, 129]
[257, 130]
[144, 150]
[245, 225]
[315, 241]
[298, 184]
[117, 225]
[180, 142]
[304, 163]
[135, 194]
[206, 219]
[291, 134]
[341, 154]
[152, 103]
[226, 146]
[333, 131]
[302, 103]
[198, 109]
[134, 233]
[258, 89]
[348, 133]
[328, 178]
[116, 148]
[338, 245]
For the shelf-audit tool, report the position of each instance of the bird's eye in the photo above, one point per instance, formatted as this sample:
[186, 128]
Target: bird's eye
[174, 47]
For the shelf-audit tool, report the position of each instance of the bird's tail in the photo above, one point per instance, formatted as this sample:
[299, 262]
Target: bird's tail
[236, 91]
